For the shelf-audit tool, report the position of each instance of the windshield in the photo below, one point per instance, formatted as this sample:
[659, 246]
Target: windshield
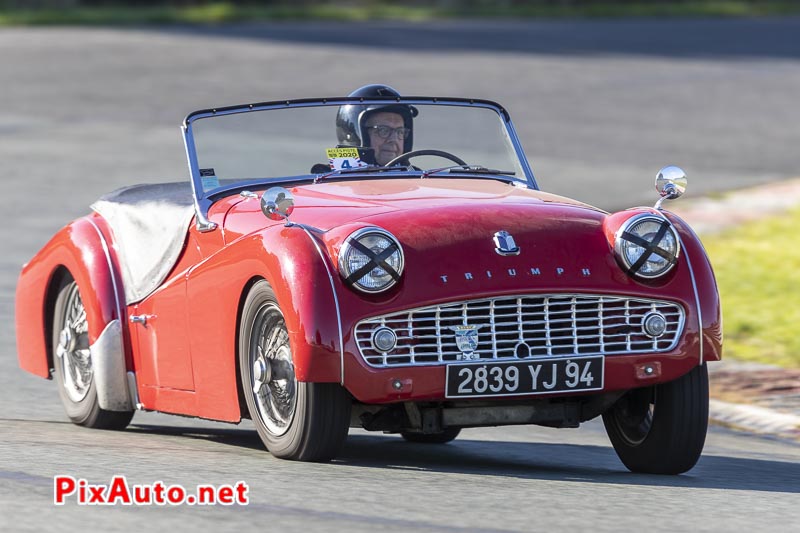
[290, 142]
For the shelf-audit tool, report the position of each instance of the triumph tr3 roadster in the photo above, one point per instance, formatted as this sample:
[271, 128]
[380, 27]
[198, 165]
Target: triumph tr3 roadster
[381, 262]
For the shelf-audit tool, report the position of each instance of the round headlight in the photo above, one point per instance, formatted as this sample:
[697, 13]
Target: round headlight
[647, 246]
[371, 260]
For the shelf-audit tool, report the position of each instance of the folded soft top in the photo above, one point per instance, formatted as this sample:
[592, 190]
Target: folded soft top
[149, 223]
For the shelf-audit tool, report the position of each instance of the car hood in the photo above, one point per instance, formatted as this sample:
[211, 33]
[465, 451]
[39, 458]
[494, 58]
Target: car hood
[382, 196]
[329, 205]
[447, 230]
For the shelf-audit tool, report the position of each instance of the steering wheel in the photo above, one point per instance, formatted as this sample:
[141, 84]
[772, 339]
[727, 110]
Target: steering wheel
[403, 158]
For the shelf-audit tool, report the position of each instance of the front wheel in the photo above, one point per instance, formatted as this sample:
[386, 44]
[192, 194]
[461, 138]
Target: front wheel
[661, 429]
[72, 362]
[295, 420]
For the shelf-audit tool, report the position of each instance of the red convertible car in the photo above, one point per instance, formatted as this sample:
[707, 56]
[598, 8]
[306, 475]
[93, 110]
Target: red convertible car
[381, 262]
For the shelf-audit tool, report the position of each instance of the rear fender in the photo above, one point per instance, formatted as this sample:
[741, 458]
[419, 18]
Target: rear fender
[81, 250]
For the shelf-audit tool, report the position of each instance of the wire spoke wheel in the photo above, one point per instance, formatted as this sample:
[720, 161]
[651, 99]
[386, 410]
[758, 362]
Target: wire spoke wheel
[74, 369]
[299, 420]
[72, 350]
[274, 381]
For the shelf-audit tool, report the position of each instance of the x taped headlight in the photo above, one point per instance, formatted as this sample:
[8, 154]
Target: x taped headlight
[371, 260]
[647, 246]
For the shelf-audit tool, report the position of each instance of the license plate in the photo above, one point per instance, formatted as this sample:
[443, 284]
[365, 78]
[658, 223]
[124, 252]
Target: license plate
[543, 376]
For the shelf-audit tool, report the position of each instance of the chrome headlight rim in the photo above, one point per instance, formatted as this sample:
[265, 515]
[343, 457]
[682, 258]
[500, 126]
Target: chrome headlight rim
[345, 272]
[634, 269]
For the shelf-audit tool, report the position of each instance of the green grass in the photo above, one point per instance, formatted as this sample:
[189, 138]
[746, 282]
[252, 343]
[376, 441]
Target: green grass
[758, 271]
[223, 12]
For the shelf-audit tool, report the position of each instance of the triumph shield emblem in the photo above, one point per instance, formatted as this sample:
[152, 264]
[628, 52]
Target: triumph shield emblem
[504, 244]
[467, 341]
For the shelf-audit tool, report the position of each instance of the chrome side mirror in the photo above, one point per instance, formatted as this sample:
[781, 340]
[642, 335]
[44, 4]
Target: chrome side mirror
[670, 183]
[277, 204]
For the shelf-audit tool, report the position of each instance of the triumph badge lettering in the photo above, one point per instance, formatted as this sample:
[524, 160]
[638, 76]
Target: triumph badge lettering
[504, 244]
[467, 341]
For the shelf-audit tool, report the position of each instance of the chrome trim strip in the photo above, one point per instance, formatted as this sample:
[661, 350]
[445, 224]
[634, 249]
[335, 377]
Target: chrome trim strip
[133, 391]
[335, 301]
[549, 325]
[107, 253]
[697, 303]
[110, 374]
[694, 283]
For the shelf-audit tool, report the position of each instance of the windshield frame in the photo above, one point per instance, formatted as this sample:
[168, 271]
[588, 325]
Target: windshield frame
[204, 199]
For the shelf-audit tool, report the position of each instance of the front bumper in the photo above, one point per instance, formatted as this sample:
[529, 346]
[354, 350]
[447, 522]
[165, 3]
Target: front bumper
[427, 383]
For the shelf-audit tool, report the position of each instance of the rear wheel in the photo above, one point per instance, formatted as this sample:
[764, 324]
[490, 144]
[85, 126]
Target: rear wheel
[444, 437]
[661, 429]
[72, 361]
[295, 420]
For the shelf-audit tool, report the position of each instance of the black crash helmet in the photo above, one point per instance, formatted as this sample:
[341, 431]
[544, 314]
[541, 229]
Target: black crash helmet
[351, 117]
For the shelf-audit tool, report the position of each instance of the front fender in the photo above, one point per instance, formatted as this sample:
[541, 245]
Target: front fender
[287, 257]
[706, 285]
[301, 276]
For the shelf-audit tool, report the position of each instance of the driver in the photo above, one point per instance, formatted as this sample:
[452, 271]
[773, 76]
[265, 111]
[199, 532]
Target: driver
[385, 128]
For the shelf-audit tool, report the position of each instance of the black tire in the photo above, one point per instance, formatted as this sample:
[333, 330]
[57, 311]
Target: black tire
[444, 437]
[661, 429]
[295, 420]
[72, 364]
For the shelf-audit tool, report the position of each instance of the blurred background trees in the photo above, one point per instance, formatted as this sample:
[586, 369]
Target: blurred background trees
[444, 4]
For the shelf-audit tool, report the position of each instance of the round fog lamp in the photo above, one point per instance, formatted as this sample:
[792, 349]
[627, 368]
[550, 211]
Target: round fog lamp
[654, 324]
[384, 339]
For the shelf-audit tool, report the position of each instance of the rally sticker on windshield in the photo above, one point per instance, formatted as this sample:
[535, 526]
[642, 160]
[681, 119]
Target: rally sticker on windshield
[342, 158]
[208, 178]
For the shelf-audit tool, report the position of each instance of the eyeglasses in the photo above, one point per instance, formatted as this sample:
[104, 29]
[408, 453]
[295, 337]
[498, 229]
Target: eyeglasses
[384, 132]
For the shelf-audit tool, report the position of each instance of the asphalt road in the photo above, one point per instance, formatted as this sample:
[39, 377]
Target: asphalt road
[600, 106]
[513, 479]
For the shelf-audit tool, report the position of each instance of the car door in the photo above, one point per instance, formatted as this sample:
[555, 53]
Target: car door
[161, 329]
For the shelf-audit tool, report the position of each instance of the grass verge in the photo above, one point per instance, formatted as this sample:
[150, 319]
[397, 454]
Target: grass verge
[224, 12]
[758, 271]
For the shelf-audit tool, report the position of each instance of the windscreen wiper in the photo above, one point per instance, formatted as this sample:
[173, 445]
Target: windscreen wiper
[362, 170]
[470, 169]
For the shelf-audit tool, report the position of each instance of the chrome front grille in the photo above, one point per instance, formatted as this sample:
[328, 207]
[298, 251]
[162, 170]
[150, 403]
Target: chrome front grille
[522, 327]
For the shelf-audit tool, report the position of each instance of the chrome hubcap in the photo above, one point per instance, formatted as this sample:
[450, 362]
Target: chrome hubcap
[73, 348]
[262, 373]
[273, 377]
